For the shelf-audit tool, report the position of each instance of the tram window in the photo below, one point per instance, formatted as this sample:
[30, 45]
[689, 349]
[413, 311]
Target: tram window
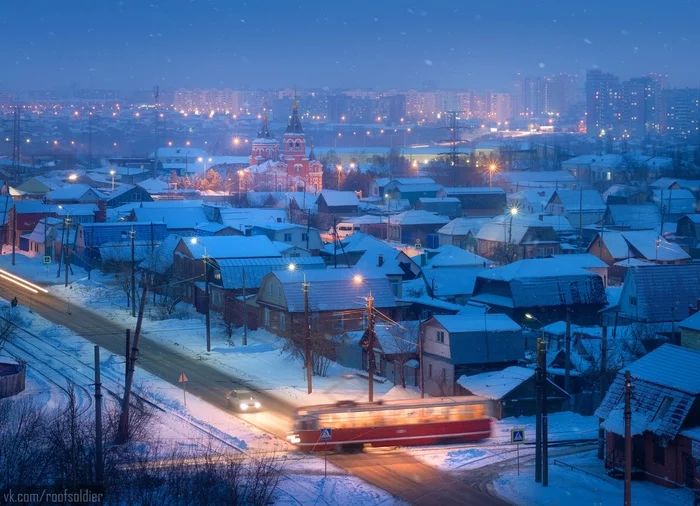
[479, 411]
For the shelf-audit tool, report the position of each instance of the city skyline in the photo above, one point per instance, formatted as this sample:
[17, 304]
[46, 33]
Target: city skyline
[127, 45]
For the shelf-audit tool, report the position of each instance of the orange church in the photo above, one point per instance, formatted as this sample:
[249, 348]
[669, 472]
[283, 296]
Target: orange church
[290, 170]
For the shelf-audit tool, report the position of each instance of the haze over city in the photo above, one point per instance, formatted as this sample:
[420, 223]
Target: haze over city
[361, 253]
[132, 44]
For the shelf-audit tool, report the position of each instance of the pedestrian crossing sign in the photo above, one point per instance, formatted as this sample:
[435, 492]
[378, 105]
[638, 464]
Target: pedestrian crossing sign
[47, 259]
[517, 436]
[326, 434]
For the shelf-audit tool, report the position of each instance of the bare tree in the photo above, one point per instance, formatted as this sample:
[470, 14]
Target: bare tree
[323, 350]
[10, 320]
[405, 339]
[225, 327]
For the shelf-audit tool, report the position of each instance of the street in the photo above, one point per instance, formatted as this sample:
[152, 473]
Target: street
[397, 473]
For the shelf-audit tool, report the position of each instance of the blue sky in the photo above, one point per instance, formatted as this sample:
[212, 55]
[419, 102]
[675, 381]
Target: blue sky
[132, 44]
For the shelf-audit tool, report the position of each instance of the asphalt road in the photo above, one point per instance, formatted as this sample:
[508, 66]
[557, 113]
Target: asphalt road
[397, 473]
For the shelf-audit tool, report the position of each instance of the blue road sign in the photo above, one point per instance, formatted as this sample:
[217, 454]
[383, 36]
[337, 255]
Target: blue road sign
[326, 434]
[517, 436]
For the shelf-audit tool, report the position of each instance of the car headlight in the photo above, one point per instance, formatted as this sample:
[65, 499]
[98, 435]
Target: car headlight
[257, 405]
[244, 406]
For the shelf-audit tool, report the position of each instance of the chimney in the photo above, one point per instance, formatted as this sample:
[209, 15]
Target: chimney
[380, 260]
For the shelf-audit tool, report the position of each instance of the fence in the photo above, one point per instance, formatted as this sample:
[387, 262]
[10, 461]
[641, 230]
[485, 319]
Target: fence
[12, 379]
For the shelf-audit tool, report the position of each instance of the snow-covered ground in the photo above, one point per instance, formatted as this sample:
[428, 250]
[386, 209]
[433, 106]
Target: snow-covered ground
[562, 426]
[573, 487]
[252, 363]
[56, 356]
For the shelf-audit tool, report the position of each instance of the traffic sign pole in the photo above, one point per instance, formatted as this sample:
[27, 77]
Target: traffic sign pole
[183, 380]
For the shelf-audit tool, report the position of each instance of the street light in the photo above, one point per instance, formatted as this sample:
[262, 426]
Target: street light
[357, 279]
[307, 330]
[66, 233]
[340, 171]
[112, 173]
[492, 169]
[73, 177]
[541, 429]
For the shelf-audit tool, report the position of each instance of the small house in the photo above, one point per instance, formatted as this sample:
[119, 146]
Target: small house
[477, 201]
[337, 202]
[457, 345]
[513, 391]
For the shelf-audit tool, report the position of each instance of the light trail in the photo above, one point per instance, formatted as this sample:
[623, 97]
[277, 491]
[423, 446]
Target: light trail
[21, 280]
[26, 287]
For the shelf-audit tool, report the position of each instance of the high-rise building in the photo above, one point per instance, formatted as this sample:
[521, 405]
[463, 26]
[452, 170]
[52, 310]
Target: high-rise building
[640, 107]
[602, 103]
[498, 106]
[681, 113]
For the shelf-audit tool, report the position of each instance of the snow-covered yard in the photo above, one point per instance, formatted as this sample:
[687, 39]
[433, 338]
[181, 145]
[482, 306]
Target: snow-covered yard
[56, 356]
[573, 487]
[254, 363]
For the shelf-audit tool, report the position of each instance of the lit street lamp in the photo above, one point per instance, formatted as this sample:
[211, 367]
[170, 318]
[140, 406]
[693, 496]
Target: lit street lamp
[370, 338]
[492, 169]
[340, 171]
[112, 173]
[205, 261]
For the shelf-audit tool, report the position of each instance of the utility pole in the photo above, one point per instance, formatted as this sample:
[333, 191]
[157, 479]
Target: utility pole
[14, 231]
[245, 311]
[628, 439]
[580, 218]
[420, 364]
[205, 259]
[370, 346]
[65, 250]
[538, 415]
[127, 354]
[307, 332]
[603, 387]
[567, 365]
[99, 463]
[16, 147]
[90, 140]
[545, 425]
[123, 431]
[132, 235]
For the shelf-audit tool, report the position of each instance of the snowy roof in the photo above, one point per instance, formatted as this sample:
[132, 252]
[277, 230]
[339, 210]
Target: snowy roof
[334, 290]
[458, 324]
[211, 227]
[240, 218]
[418, 218]
[413, 187]
[73, 192]
[473, 190]
[452, 256]
[162, 258]
[357, 242]
[335, 198]
[439, 200]
[540, 282]
[175, 152]
[451, 281]
[635, 216]
[583, 260]
[664, 388]
[77, 209]
[619, 190]
[496, 384]
[462, 226]
[675, 201]
[390, 263]
[546, 178]
[183, 218]
[232, 246]
[499, 229]
[415, 292]
[692, 322]
[664, 292]
[154, 186]
[383, 181]
[627, 244]
[584, 200]
[535, 196]
[401, 337]
[257, 268]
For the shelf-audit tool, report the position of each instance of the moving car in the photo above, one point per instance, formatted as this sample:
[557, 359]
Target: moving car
[242, 400]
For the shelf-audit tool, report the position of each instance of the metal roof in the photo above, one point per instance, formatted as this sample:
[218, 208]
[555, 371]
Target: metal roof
[257, 268]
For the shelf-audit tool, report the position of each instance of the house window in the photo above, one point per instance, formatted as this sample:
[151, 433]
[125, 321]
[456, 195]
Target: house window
[298, 146]
[395, 288]
[266, 316]
[287, 237]
[659, 451]
[137, 196]
[217, 299]
[440, 336]
[338, 321]
[430, 370]
[283, 321]
[304, 236]
[217, 275]
[633, 300]
[270, 289]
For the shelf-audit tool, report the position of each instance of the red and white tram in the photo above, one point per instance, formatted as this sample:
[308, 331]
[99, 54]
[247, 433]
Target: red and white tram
[393, 423]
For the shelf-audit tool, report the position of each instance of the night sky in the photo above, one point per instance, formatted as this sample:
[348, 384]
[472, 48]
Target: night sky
[134, 44]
